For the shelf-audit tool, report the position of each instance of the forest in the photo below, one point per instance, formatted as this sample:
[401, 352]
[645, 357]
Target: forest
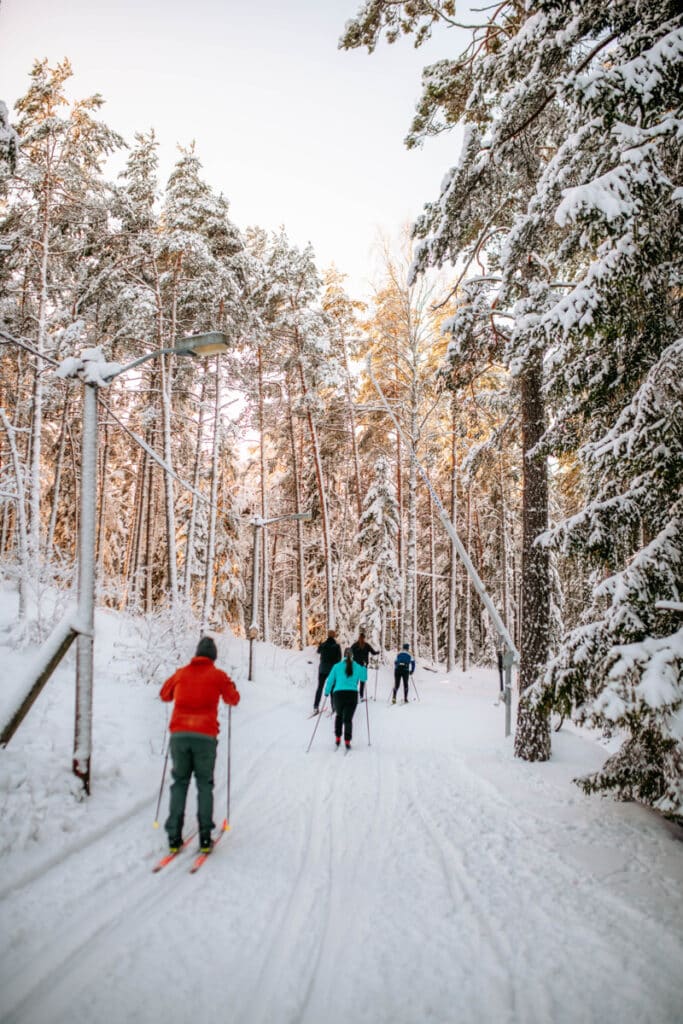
[526, 333]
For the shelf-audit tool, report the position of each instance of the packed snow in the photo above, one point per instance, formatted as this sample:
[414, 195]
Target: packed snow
[427, 876]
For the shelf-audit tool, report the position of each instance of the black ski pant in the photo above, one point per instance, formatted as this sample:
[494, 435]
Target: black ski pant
[363, 681]
[401, 674]
[191, 753]
[322, 676]
[344, 703]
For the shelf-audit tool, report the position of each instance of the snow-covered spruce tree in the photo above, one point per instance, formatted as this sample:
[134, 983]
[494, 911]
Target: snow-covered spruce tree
[9, 141]
[588, 95]
[503, 154]
[54, 212]
[377, 565]
[616, 189]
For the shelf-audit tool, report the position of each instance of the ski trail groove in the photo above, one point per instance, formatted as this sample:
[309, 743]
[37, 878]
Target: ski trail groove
[270, 993]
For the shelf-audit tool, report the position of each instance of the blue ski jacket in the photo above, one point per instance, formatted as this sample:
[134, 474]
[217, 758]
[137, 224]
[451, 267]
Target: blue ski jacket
[405, 660]
[338, 679]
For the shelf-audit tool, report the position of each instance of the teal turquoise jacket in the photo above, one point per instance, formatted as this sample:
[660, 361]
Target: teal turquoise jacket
[338, 679]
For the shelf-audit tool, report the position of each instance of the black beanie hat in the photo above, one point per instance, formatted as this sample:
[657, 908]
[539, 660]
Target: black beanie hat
[206, 648]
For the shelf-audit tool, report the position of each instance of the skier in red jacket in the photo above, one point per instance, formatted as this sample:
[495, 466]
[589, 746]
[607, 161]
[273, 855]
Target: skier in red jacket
[196, 689]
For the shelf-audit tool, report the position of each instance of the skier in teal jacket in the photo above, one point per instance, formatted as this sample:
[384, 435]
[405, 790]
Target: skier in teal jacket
[342, 685]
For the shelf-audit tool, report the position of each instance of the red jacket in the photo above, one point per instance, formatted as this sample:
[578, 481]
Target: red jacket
[196, 689]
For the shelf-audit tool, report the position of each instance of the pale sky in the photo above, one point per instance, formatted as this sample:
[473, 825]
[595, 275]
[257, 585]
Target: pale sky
[291, 129]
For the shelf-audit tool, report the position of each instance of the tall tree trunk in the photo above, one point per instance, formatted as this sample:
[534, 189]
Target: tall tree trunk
[132, 556]
[192, 525]
[330, 612]
[37, 397]
[505, 550]
[211, 545]
[467, 610]
[166, 374]
[265, 587]
[410, 610]
[301, 567]
[432, 583]
[532, 736]
[400, 544]
[352, 426]
[101, 521]
[169, 490]
[149, 539]
[453, 578]
[22, 538]
[58, 478]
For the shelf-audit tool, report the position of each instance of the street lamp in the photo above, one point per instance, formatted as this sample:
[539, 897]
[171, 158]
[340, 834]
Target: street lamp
[258, 523]
[95, 372]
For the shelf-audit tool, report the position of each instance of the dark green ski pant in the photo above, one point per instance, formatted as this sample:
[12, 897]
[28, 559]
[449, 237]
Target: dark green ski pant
[191, 752]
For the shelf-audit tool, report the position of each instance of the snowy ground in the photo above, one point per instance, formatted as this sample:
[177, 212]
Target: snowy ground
[429, 877]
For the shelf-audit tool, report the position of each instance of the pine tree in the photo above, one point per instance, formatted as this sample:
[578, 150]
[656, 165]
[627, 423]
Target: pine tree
[617, 359]
[55, 215]
[377, 565]
[9, 141]
[568, 189]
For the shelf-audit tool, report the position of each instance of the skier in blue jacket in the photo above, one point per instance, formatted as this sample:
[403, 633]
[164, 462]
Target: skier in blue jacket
[404, 666]
[342, 684]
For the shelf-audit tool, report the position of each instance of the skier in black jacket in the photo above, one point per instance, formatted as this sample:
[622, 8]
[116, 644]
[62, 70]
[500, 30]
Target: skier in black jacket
[330, 653]
[361, 652]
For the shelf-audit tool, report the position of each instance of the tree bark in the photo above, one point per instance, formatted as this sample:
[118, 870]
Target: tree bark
[467, 610]
[191, 526]
[301, 568]
[211, 543]
[453, 580]
[432, 583]
[265, 587]
[330, 611]
[22, 538]
[532, 736]
[58, 478]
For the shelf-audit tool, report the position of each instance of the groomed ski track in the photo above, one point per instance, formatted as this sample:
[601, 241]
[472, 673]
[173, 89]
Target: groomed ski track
[429, 877]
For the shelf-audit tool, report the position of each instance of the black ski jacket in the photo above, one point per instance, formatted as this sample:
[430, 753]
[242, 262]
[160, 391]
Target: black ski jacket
[362, 654]
[330, 653]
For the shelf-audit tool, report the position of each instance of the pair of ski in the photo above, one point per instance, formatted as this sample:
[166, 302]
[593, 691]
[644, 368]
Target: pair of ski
[199, 859]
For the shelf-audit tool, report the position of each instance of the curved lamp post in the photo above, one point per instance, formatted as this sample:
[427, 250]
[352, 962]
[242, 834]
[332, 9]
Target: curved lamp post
[95, 373]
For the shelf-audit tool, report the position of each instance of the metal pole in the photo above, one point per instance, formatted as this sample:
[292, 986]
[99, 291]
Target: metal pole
[226, 823]
[86, 589]
[253, 628]
[317, 723]
[161, 789]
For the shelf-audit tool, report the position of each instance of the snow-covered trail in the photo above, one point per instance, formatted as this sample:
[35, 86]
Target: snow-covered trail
[427, 877]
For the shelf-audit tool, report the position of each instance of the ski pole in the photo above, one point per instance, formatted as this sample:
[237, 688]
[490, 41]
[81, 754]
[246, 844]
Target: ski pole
[367, 716]
[310, 742]
[376, 674]
[161, 788]
[415, 687]
[226, 823]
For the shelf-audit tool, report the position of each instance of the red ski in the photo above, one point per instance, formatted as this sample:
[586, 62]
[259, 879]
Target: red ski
[198, 861]
[172, 856]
